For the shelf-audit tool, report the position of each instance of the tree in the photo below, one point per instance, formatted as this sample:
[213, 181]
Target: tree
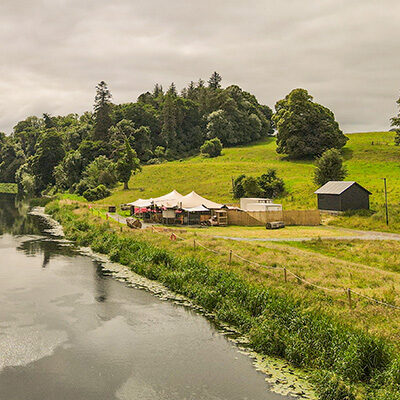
[127, 165]
[220, 126]
[267, 185]
[102, 111]
[271, 185]
[215, 81]
[211, 148]
[11, 158]
[329, 167]
[49, 152]
[101, 171]
[169, 125]
[172, 90]
[69, 171]
[237, 187]
[395, 122]
[305, 129]
[48, 121]
[158, 90]
[251, 187]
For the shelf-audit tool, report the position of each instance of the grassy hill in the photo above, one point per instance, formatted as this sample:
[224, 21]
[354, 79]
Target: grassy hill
[368, 156]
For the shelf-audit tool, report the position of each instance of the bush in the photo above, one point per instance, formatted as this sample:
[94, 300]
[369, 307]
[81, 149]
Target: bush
[267, 185]
[211, 148]
[98, 193]
[238, 189]
[329, 167]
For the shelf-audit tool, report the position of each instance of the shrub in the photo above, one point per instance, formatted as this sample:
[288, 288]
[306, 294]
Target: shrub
[267, 185]
[211, 148]
[98, 193]
[329, 167]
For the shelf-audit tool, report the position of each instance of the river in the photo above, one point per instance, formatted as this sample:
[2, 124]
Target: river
[69, 331]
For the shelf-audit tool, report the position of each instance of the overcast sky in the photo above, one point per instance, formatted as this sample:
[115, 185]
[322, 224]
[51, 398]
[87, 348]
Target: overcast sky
[345, 52]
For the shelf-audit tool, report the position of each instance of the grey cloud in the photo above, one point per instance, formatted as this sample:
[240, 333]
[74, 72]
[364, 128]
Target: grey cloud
[53, 52]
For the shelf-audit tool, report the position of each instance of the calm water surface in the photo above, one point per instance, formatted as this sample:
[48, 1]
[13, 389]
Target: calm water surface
[69, 332]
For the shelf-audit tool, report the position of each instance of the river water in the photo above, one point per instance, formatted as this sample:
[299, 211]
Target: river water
[68, 331]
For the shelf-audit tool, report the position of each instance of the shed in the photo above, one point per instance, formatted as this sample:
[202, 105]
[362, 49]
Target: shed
[259, 204]
[342, 196]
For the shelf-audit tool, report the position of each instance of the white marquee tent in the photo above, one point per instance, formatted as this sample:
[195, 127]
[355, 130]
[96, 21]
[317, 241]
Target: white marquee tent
[175, 199]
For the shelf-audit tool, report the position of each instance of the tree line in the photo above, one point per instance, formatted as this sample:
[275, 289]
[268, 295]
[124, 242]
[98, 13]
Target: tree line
[89, 153]
[79, 153]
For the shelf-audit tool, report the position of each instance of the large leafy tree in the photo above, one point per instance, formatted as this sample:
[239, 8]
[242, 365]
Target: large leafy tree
[127, 165]
[11, 158]
[305, 128]
[395, 122]
[329, 167]
[102, 112]
[49, 152]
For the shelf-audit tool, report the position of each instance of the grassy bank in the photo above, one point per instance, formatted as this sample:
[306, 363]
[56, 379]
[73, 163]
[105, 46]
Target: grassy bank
[352, 363]
[8, 188]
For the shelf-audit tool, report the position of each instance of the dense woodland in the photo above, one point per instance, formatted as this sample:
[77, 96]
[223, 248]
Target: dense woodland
[82, 152]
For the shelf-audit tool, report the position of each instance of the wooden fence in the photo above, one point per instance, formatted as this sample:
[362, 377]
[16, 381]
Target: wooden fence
[260, 218]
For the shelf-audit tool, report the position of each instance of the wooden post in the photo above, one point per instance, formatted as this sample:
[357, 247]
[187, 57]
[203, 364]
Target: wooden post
[230, 257]
[349, 298]
[386, 203]
[194, 244]
[285, 274]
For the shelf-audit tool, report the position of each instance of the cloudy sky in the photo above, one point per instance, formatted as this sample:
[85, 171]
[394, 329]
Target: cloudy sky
[345, 52]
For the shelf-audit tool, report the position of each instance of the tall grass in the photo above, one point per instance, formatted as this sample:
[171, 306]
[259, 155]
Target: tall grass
[351, 363]
[8, 188]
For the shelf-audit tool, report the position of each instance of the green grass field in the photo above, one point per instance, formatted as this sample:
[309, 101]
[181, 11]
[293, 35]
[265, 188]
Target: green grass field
[8, 188]
[368, 156]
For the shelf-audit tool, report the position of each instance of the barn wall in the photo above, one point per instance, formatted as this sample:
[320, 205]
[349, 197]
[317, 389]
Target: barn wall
[329, 202]
[354, 198]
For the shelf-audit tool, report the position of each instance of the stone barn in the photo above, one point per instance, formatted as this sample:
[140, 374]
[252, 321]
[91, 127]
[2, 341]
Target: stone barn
[342, 196]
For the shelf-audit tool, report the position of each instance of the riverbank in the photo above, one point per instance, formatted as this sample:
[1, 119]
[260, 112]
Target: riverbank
[351, 363]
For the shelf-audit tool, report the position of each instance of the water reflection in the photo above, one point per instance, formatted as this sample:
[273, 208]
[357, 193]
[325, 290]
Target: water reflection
[13, 216]
[100, 282]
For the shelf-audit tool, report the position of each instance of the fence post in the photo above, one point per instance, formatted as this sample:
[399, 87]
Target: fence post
[349, 298]
[285, 274]
[194, 244]
[230, 257]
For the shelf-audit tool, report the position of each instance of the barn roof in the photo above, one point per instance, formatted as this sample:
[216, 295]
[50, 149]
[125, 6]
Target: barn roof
[337, 187]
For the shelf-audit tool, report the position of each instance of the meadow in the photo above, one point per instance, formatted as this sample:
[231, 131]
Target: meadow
[368, 157]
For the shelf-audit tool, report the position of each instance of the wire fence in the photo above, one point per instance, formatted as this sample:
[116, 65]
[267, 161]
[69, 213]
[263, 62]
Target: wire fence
[346, 291]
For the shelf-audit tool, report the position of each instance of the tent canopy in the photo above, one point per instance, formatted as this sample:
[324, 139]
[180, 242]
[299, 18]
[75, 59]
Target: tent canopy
[195, 200]
[196, 209]
[175, 199]
[173, 196]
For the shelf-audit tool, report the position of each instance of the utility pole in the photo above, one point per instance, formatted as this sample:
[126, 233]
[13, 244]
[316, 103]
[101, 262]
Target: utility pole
[386, 203]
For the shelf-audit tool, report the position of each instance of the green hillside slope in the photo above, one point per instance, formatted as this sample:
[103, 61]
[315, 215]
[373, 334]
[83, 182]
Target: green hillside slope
[368, 156]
